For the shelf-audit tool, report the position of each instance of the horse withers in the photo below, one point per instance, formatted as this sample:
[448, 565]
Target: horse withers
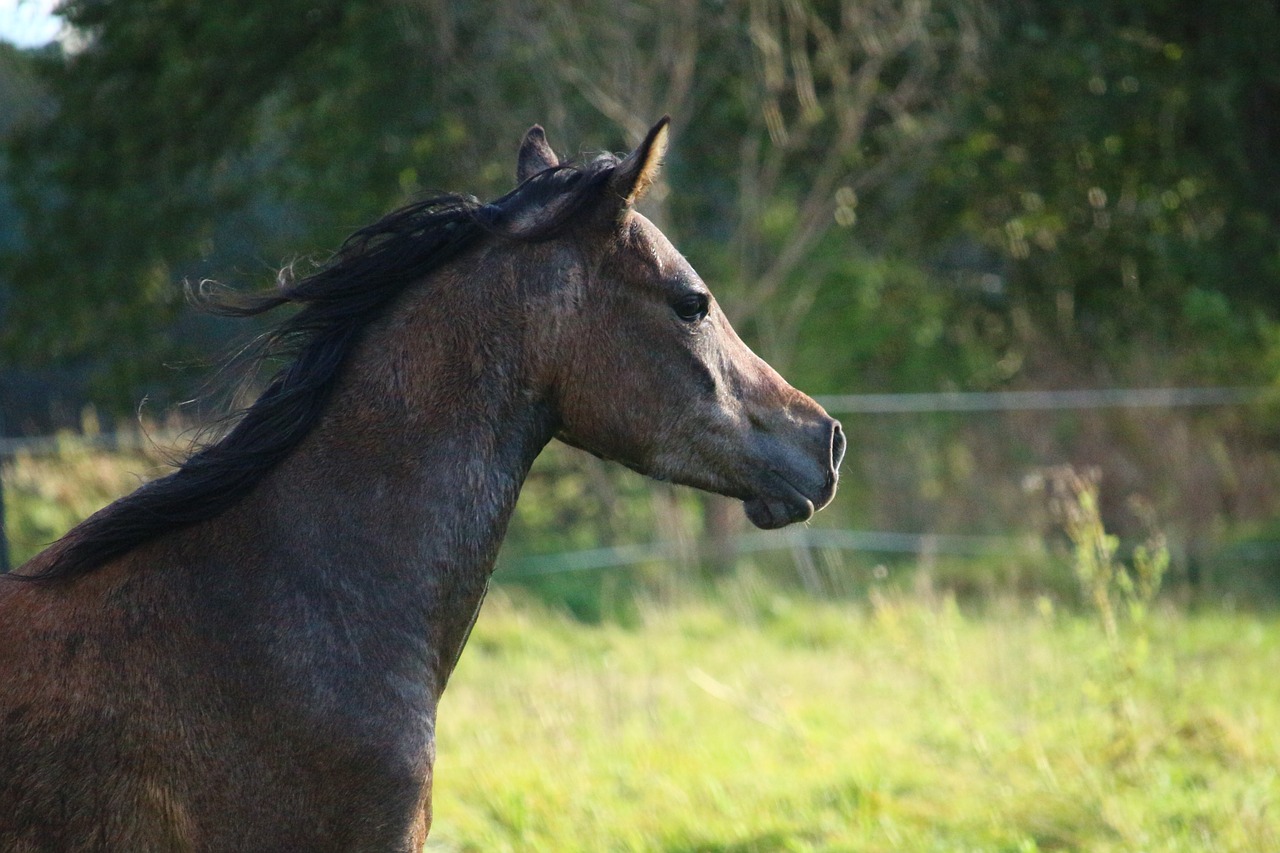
[247, 654]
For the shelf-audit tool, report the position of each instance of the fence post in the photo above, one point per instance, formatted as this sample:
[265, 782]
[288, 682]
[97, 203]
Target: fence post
[4, 540]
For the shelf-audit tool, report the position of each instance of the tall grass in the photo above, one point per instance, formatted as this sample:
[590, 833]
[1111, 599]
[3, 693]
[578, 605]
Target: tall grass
[759, 718]
[48, 492]
[764, 720]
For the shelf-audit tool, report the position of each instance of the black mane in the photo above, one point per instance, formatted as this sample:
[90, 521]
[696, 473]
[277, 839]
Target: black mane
[335, 304]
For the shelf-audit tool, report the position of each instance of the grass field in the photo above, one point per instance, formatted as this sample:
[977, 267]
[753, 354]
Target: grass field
[762, 720]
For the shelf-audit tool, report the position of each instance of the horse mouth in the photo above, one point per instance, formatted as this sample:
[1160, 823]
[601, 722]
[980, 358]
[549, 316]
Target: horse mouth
[772, 513]
[784, 505]
[778, 502]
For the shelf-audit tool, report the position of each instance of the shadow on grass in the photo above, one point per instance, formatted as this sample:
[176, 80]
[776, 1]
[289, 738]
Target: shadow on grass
[768, 842]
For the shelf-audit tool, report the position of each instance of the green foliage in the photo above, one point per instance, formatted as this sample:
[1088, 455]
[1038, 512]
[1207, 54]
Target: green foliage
[120, 187]
[1114, 159]
[197, 139]
[896, 327]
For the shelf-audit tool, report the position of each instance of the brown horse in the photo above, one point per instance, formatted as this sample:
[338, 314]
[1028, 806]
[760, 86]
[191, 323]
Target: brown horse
[248, 653]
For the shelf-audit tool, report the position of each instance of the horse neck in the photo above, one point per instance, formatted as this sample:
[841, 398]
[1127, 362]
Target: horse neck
[393, 509]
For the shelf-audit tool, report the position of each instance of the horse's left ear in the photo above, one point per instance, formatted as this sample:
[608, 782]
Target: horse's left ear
[636, 173]
[535, 154]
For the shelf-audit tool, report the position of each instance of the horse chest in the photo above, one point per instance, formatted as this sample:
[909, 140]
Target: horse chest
[344, 764]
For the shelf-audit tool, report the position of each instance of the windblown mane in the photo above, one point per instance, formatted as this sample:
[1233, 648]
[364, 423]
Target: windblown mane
[336, 304]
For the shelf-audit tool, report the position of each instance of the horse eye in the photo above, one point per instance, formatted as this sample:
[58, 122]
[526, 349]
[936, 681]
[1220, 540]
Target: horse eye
[692, 307]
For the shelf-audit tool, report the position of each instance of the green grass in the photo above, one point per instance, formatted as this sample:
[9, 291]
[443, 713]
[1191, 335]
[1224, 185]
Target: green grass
[760, 720]
[47, 493]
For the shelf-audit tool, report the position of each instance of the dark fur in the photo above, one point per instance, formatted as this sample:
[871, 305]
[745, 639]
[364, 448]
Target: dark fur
[248, 654]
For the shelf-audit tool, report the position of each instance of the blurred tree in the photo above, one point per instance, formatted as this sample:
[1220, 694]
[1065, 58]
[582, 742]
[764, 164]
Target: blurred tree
[20, 101]
[117, 185]
[1103, 168]
[1120, 159]
[196, 137]
[192, 138]
[811, 104]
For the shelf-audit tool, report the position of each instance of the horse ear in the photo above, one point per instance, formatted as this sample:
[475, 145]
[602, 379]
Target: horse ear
[535, 154]
[636, 173]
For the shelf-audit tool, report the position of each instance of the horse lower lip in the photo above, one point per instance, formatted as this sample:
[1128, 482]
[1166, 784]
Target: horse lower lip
[769, 512]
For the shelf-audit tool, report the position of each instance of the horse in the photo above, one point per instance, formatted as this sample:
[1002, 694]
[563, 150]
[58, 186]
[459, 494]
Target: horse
[247, 654]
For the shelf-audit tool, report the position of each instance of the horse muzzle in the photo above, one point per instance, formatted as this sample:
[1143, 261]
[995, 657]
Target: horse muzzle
[797, 477]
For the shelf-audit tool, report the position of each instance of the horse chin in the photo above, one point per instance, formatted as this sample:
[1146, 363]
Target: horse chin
[770, 513]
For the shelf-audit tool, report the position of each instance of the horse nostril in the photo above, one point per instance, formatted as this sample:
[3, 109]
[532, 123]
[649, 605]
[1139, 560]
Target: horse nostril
[837, 445]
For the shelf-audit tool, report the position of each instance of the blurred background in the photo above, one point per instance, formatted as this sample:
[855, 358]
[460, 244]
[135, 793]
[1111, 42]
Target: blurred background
[933, 215]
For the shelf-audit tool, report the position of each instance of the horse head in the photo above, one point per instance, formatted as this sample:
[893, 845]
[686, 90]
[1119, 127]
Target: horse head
[644, 368]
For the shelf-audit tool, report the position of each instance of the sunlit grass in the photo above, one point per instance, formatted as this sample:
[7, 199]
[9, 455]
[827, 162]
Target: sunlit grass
[899, 723]
[48, 492]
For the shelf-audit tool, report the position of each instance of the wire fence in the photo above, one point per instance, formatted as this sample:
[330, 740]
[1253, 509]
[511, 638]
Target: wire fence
[166, 440]
[862, 541]
[1032, 401]
[843, 540]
